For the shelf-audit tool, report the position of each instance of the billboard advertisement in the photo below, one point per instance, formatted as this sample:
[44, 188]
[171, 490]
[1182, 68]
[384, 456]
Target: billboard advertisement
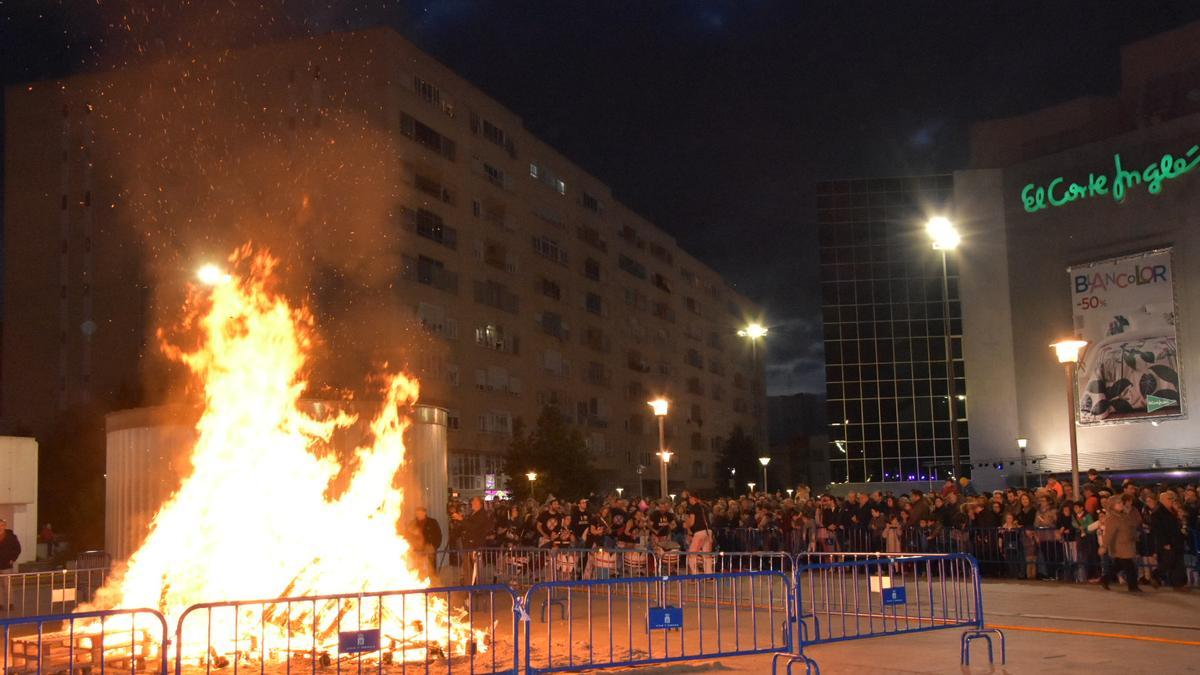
[1125, 309]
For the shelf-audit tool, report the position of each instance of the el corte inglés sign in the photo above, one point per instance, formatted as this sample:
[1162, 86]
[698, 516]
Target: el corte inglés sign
[1059, 192]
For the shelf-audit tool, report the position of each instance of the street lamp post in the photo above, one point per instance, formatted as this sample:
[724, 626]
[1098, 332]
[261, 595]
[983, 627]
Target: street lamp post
[755, 332]
[1067, 352]
[751, 486]
[945, 238]
[660, 407]
[620, 491]
[1021, 444]
[764, 461]
[532, 476]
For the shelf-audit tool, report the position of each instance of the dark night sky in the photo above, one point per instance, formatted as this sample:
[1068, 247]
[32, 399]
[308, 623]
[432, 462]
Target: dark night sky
[714, 118]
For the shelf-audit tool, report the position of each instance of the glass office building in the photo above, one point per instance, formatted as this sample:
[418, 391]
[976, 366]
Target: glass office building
[882, 304]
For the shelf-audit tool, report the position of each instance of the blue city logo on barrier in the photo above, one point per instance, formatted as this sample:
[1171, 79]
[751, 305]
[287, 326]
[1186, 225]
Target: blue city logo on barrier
[356, 641]
[895, 596]
[662, 618]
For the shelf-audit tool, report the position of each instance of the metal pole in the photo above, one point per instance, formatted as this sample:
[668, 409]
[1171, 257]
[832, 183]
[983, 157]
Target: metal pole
[764, 478]
[662, 455]
[758, 430]
[1024, 476]
[951, 392]
[1071, 423]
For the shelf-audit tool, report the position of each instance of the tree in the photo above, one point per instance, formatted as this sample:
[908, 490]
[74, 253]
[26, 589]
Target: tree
[556, 451]
[739, 454]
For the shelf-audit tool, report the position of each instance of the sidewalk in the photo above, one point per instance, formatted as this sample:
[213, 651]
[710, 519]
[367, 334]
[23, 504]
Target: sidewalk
[1154, 628]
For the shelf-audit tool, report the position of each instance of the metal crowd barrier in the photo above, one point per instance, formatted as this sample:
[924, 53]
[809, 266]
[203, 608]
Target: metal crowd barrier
[849, 596]
[357, 630]
[118, 641]
[523, 567]
[50, 592]
[609, 623]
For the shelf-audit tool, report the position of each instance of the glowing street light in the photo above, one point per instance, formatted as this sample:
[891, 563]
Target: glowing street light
[1023, 443]
[532, 476]
[660, 406]
[764, 461]
[620, 491]
[753, 331]
[211, 275]
[789, 491]
[751, 486]
[945, 238]
[1067, 352]
[943, 233]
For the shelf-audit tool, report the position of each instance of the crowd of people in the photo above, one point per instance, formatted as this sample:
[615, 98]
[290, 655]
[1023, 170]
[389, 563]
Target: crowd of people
[1143, 533]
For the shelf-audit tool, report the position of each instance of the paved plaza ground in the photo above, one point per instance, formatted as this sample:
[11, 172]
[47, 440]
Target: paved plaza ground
[1051, 628]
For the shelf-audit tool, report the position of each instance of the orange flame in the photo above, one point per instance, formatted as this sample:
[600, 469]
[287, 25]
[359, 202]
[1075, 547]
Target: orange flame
[255, 518]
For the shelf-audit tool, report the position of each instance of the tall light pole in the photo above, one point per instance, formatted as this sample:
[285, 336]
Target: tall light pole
[764, 461]
[660, 407]
[532, 476]
[755, 332]
[1022, 443]
[1067, 352]
[945, 238]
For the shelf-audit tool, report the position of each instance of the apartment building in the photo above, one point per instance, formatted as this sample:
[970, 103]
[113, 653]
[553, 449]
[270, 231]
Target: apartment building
[532, 285]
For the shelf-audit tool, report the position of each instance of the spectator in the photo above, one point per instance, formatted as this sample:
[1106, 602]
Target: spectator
[425, 536]
[701, 533]
[1120, 540]
[1167, 532]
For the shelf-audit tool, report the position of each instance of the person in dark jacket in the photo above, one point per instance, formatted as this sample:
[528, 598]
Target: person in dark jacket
[425, 536]
[1166, 531]
[476, 527]
[10, 550]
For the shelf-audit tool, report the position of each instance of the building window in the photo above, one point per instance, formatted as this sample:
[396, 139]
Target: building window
[430, 225]
[548, 248]
[661, 282]
[596, 374]
[591, 269]
[636, 361]
[497, 295]
[493, 133]
[632, 266]
[433, 188]
[431, 272]
[693, 358]
[594, 304]
[496, 422]
[661, 252]
[552, 324]
[495, 176]
[433, 319]
[589, 202]
[493, 337]
[663, 311]
[594, 338]
[535, 171]
[426, 136]
[550, 289]
[695, 386]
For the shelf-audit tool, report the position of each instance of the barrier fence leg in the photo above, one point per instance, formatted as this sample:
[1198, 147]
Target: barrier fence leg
[984, 634]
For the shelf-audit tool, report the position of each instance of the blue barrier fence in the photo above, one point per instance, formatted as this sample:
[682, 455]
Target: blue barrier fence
[752, 603]
[118, 641]
[609, 623]
[354, 631]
